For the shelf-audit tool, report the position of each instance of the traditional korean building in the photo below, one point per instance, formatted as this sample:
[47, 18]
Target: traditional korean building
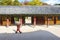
[33, 15]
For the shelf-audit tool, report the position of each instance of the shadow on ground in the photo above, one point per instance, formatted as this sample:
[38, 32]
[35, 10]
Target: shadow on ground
[37, 35]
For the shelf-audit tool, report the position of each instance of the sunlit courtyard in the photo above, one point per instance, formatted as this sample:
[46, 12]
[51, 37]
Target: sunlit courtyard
[30, 32]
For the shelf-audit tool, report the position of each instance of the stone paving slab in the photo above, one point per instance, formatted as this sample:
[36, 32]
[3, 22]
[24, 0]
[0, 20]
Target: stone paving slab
[55, 29]
[36, 35]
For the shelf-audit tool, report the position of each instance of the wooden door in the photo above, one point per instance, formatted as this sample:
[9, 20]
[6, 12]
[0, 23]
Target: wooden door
[40, 20]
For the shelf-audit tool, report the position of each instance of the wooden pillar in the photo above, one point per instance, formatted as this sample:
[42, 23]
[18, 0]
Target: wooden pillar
[53, 17]
[34, 20]
[45, 20]
[56, 19]
[7, 22]
[0, 20]
[53, 20]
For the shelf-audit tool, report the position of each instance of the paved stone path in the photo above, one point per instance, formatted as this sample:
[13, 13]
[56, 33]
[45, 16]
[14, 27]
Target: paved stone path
[37, 35]
[31, 33]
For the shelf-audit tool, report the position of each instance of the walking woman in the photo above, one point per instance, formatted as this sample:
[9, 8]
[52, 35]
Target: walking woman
[18, 28]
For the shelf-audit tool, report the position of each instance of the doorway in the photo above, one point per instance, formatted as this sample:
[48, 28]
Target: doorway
[28, 20]
[40, 20]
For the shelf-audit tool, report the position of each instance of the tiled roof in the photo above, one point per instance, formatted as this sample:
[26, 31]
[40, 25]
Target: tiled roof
[29, 9]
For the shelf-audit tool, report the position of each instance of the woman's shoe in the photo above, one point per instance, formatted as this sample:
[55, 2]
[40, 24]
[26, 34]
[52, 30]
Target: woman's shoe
[16, 32]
